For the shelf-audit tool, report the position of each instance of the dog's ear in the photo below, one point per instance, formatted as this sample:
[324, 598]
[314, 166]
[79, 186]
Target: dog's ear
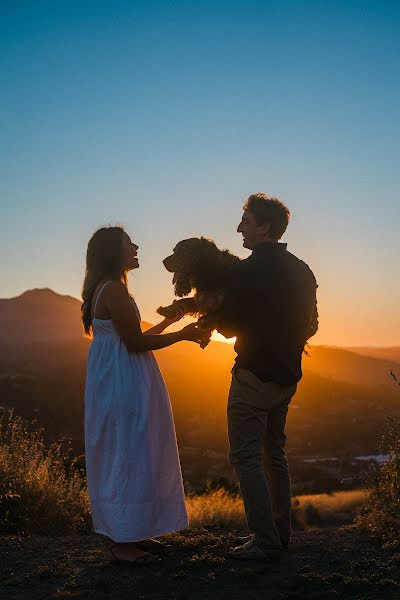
[209, 250]
[183, 286]
[203, 252]
[204, 266]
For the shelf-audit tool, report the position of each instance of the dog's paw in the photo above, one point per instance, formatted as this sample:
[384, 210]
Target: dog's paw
[164, 311]
[169, 312]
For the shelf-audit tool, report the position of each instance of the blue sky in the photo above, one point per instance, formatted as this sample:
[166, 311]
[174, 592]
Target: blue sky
[164, 116]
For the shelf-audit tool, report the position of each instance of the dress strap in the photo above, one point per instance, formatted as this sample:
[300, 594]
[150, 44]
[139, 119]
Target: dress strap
[98, 296]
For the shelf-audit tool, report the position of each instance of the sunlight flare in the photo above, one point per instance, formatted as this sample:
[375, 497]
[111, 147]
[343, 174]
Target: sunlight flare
[218, 337]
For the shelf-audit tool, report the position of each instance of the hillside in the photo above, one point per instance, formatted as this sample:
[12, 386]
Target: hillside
[391, 353]
[346, 365]
[345, 395]
[320, 565]
[39, 315]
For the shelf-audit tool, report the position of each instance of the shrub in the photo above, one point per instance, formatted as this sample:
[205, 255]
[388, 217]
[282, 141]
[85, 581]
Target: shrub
[382, 513]
[39, 492]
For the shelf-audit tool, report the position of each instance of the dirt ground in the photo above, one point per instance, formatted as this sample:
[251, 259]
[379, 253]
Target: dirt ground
[325, 563]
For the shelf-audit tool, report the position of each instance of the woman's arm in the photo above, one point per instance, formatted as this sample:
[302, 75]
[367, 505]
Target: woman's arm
[127, 324]
[159, 328]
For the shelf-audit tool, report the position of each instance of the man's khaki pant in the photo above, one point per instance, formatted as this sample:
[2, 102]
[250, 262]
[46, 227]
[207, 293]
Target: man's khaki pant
[256, 425]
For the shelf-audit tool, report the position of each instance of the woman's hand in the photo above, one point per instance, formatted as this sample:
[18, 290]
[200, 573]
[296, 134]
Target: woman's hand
[193, 333]
[159, 328]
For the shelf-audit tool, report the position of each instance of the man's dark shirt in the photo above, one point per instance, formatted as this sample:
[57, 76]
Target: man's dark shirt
[270, 306]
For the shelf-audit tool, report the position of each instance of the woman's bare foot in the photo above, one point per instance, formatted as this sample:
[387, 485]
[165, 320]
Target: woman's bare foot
[129, 553]
[150, 545]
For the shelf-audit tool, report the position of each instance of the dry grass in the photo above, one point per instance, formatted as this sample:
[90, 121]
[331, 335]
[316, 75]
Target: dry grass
[323, 509]
[219, 507]
[39, 491]
[382, 514]
[336, 502]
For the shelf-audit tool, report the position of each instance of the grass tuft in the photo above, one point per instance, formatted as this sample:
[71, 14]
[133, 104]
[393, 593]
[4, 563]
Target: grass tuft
[382, 513]
[39, 493]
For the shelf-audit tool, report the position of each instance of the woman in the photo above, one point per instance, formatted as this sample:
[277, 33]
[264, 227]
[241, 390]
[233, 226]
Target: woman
[133, 471]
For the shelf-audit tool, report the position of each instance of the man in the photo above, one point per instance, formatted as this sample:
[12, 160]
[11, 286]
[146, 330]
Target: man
[270, 306]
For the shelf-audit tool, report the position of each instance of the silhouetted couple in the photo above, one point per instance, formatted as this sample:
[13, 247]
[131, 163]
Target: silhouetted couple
[134, 477]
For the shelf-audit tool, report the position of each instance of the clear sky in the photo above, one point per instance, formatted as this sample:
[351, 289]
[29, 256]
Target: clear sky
[164, 116]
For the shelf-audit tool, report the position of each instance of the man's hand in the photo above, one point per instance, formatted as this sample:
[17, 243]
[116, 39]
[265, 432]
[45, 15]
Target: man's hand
[205, 327]
[193, 333]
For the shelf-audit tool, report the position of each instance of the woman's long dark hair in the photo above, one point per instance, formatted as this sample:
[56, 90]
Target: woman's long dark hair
[104, 260]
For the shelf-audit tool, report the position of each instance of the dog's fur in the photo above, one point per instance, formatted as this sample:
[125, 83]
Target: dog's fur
[198, 265]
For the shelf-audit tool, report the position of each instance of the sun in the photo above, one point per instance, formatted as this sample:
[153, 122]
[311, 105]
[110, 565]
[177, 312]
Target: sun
[218, 337]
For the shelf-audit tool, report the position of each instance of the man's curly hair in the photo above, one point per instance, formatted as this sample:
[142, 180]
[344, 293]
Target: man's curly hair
[267, 209]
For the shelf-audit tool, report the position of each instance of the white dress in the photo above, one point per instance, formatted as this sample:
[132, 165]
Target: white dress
[132, 462]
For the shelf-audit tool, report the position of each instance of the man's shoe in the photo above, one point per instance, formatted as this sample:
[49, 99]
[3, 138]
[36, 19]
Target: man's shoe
[250, 551]
[247, 538]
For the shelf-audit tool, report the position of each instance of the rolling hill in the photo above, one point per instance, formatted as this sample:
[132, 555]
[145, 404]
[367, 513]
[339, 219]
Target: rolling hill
[41, 316]
[340, 406]
[391, 353]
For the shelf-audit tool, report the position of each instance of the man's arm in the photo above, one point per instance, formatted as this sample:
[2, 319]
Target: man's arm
[314, 322]
[313, 328]
[228, 318]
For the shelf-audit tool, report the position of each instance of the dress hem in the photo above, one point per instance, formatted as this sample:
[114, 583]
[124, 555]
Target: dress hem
[154, 533]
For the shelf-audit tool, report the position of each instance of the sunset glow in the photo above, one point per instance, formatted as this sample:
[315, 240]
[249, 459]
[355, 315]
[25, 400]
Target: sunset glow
[218, 337]
[169, 141]
[173, 171]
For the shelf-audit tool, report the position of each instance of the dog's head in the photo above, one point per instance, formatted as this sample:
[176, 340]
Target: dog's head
[189, 261]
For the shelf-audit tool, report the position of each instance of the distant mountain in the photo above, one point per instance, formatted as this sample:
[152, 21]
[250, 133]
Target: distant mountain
[340, 364]
[341, 404]
[40, 315]
[391, 353]
[327, 416]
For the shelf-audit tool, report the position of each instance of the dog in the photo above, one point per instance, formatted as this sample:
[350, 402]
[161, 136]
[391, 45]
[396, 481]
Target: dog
[198, 265]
